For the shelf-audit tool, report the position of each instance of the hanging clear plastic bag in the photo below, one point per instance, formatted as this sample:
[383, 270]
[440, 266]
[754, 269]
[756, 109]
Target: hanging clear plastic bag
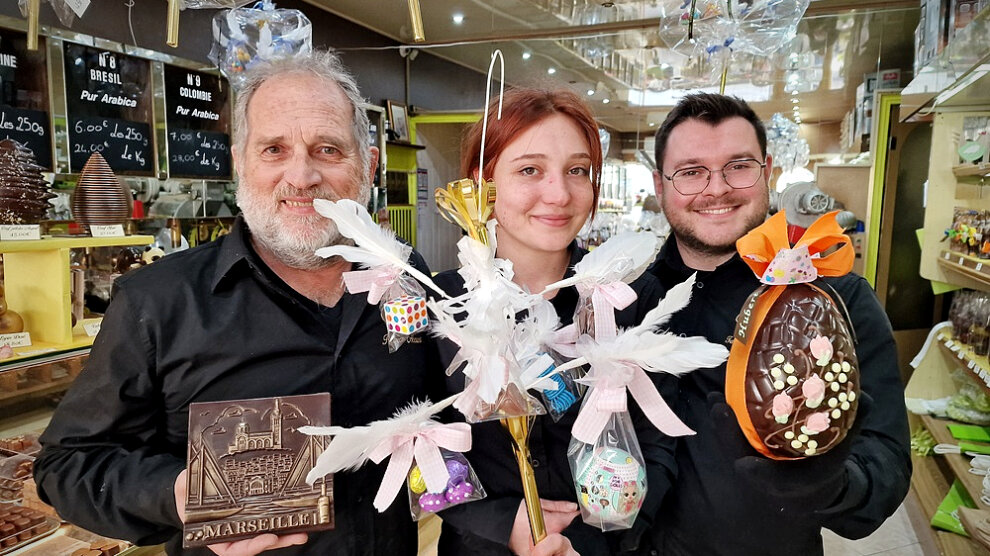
[463, 486]
[609, 475]
[403, 308]
[62, 10]
[213, 4]
[567, 391]
[243, 37]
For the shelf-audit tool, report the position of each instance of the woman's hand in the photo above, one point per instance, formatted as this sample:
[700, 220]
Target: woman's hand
[554, 545]
[557, 515]
[246, 547]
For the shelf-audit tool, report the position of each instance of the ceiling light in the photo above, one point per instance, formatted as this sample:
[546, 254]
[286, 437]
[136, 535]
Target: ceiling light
[591, 92]
[606, 101]
[458, 19]
[653, 124]
[527, 55]
[795, 100]
[794, 92]
[551, 71]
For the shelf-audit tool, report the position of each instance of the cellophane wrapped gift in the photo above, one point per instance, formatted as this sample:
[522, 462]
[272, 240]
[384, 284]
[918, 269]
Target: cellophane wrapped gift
[609, 475]
[463, 486]
[565, 391]
[403, 308]
[243, 37]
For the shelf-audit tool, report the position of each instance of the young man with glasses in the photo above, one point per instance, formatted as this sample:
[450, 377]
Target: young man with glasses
[713, 183]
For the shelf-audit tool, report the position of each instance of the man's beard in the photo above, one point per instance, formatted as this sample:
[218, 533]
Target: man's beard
[292, 239]
[687, 237]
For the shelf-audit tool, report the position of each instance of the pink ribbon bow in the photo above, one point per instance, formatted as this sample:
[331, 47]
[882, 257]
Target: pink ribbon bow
[563, 341]
[608, 396]
[605, 300]
[425, 446]
[375, 281]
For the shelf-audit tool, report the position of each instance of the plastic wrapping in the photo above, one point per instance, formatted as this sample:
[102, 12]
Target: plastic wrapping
[609, 475]
[564, 392]
[62, 10]
[463, 486]
[213, 4]
[970, 404]
[403, 308]
[243, 37]
[763, 26]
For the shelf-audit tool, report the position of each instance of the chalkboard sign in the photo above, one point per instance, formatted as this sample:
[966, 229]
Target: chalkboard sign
[125, 145]
[198, 124]
[24, 95]
[108, 96]
[198, 153]
[29, 128]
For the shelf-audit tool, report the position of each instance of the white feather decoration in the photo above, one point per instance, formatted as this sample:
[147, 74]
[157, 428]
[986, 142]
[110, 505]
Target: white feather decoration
[622, 258]
[351, 447]
[676, 299]
[376, 246]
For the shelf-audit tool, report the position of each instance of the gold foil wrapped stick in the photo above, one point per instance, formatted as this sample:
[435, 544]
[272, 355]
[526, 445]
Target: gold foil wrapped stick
[467, 205]
[34, 9]
[172, 29]
[518, 427]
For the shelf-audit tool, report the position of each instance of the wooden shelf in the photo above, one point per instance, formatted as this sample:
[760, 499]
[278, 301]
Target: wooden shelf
[49, 243]
[977, 365]
[972, 267]
[958, 463]
[970, 170]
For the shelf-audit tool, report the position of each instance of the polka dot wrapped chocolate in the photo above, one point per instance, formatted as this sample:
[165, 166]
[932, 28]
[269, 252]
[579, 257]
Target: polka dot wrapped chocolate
[405, 314]
[793, 377]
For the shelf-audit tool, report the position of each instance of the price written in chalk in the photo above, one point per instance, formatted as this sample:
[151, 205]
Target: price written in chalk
[125, 145]
[29, 128]
[198, 153]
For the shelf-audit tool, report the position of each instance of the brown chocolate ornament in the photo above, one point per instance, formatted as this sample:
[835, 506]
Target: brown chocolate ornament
[793, 377]
[24, 193]
[100, 199]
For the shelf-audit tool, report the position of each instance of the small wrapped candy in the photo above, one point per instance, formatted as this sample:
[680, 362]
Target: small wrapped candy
[461, 486]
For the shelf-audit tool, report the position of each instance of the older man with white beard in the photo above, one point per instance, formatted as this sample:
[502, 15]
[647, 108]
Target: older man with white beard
[254, 314]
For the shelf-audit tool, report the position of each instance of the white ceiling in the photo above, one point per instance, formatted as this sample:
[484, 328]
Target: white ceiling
[844, 40]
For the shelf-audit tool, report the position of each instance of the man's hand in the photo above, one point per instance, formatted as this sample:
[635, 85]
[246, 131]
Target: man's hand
[557, 515]
[805, 485]
[554, 545]
[246, 547]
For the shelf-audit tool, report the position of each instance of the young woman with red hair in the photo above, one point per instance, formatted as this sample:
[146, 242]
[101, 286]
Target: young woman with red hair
[546, 159]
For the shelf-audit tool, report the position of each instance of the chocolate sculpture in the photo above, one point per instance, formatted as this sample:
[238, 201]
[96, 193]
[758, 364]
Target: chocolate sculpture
[24, 193]
[793, 377]
[100, 199]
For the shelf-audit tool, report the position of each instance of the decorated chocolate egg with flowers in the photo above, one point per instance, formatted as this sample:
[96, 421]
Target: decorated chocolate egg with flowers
[793, 378]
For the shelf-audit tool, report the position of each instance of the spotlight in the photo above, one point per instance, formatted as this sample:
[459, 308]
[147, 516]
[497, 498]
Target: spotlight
[527, 55]
[551, 71]
[458, 19]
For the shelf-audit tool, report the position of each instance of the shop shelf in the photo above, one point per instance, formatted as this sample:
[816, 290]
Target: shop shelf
[72, 242]
[972, 267]
[977, 365]
[970, 170]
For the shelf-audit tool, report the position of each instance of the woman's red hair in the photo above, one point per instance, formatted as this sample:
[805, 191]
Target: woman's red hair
[522, 108]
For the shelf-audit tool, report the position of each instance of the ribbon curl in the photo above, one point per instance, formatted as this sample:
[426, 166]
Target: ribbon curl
[608, 396]
[605, 300]
[375, 281]
[770, 256]
[423, 445]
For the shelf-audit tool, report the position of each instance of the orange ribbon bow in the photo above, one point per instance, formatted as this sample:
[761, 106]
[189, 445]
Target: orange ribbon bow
[769, 254]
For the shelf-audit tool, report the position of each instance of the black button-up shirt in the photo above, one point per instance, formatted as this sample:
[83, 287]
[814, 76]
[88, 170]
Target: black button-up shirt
[708, 488]
[483, 527]
[215, 323]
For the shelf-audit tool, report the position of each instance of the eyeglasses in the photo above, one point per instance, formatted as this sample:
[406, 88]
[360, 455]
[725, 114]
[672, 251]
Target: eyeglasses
[738, 174]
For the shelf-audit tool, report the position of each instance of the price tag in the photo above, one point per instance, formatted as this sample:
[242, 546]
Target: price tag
[92, 328]
[19, 232]
[946, 255]
[979, 267]
[113, 230]
[78, 6]
[971, 364]
[954, 348]
[949, 343]
[19, 339]
[961, 261]
[961, 355]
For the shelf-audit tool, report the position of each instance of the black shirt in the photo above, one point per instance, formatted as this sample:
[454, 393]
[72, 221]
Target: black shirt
[214, 323]
[709, 510]
[483, 527]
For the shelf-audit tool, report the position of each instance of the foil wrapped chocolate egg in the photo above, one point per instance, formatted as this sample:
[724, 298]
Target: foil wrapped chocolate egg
[793, 377]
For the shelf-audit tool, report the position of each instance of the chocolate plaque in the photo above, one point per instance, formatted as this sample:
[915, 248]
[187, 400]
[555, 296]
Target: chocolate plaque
[247, 469]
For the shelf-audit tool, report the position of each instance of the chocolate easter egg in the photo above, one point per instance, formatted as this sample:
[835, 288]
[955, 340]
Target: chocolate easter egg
[792, 377]
[100, 199]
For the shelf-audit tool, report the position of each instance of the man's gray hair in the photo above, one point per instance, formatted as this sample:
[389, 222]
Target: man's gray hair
[323, 64]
